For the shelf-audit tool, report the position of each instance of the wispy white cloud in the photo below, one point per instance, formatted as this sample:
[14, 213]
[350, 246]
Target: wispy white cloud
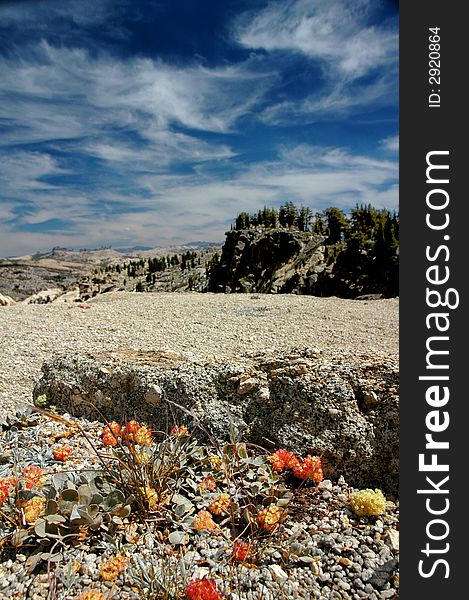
[59, 93]
[24, 171]
[391, 143]
[334, 33]
[357, 60]
[338, 100]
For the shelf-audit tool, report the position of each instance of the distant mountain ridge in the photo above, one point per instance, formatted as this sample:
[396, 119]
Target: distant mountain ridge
[132, 249]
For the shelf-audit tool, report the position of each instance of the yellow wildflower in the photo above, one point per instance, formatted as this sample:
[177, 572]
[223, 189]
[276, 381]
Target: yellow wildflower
[215, 461]
[151, 497]
[368, 503]
[33, 508]
[268, 518]
[143, 436]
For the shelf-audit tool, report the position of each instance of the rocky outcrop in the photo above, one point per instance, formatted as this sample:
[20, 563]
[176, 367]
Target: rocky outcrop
[344, 408]
[286, 260]
[260, 259]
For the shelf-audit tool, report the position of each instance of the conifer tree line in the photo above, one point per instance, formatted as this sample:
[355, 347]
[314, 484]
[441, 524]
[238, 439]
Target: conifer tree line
[363, 221]
[287, 216]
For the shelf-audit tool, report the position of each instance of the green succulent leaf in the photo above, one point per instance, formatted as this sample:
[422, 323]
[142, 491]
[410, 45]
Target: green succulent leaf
[55, 519]
[43, 529]
[78, 517]
[93, 510]
[40, 528]
[33, 560]
[69, 495]
[114, 498]
[52, 507]
[84, 494]
[55, 557]
[96, 499]
[96, 524]
[19, 537]
[122, 511]
[59, 480]
[177, 537]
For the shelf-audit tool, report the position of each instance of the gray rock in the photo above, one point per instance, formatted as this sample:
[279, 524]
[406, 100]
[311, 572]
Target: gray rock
[160, 387]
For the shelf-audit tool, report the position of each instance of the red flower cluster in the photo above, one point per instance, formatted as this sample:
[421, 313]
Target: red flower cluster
[241, 550]
[202, 589]
[33, 475]
[62, 453]
[111, 433]
[5, 484]
[282, 459]
[307, 468]
[132, 432]
[179, 430]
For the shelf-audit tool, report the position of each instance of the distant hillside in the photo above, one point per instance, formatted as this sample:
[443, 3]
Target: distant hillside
[289, 251]
[45, 276]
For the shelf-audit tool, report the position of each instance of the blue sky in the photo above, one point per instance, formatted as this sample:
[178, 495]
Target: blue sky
[156, 122]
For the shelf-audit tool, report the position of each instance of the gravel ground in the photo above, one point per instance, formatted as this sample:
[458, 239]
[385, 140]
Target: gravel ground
[203, 327]
[321, 551]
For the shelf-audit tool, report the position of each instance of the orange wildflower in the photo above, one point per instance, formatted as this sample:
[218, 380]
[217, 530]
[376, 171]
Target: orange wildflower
[309, 468]
[91, 595]
[112, 568]
[220, 505]
[62, 453]
[179, 430]
[282, 459]
[203, 521]
[207, 483]
[5, 484]
[109, 439]
[110, 433]
[33, 475]
[130, 430]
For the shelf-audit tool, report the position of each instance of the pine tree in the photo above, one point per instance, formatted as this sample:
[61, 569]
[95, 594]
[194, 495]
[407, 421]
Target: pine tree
[337, 225]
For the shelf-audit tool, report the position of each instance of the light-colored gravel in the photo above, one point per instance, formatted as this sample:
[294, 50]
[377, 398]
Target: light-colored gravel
[203, 327]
